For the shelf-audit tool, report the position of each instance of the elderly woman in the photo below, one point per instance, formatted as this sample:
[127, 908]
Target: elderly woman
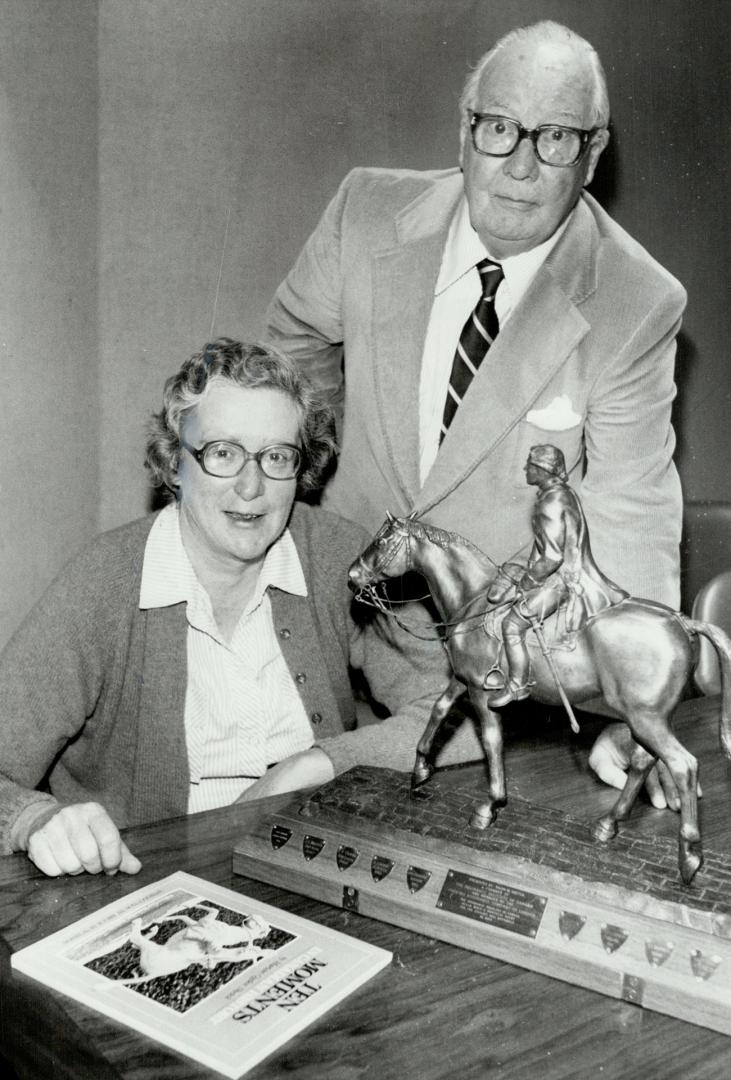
[201, 655]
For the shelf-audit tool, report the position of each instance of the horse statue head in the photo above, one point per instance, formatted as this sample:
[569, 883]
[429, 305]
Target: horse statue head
[387, 556]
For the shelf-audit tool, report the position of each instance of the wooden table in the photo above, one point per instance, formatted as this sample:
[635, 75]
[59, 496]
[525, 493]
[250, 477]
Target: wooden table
[437, 1012]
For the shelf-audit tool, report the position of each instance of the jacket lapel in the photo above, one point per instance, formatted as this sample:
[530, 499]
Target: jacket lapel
[535, 342]
[404, 278]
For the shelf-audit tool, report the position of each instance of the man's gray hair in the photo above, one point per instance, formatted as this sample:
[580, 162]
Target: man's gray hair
[550, 32]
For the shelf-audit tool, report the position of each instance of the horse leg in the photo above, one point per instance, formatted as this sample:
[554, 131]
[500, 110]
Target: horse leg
[491, 734]
[684, 771]
[683, 768]
[423, 766]
[640, 764]
[654, 733]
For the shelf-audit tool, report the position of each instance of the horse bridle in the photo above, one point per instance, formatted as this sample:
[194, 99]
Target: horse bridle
[371, 596]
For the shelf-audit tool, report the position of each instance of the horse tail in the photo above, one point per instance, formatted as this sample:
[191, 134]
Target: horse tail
[722, 644]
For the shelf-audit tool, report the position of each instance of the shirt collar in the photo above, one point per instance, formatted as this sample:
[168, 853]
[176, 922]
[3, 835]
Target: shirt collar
[168, 577]
[463, 249]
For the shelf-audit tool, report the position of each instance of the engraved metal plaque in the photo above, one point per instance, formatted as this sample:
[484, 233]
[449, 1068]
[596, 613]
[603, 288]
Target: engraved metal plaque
[381, 867]
[490, 902]
[280, 835]
[312, 846]
[346, 856]
[613, 937]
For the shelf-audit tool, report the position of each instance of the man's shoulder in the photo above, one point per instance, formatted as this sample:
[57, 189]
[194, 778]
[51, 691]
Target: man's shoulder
[619, 253]
[397, 187]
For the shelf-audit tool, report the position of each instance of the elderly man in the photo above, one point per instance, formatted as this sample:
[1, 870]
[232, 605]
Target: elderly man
[472, 313]
[201, 655]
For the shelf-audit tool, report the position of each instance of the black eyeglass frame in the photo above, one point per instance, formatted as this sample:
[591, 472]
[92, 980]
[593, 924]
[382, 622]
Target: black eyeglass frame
[585, 135]
[248, 456]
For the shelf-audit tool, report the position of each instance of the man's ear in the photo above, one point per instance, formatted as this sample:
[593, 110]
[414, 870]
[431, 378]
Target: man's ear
[464, 137]
[596, 147]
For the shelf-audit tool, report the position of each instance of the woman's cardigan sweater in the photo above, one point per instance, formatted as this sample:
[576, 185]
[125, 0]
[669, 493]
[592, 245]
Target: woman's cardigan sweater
[92, 689]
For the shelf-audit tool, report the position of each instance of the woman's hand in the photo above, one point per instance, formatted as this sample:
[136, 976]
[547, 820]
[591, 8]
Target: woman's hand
[77, 838]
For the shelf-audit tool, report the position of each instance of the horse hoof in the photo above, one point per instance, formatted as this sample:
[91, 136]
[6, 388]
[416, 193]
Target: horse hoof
[421, 773]
[482, 817]
[605, 829]
[690, 862]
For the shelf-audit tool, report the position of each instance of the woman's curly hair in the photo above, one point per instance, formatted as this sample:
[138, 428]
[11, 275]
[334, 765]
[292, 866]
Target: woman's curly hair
[250, 366]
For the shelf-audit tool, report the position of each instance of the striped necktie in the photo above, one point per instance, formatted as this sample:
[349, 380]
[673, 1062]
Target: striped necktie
[477, 336]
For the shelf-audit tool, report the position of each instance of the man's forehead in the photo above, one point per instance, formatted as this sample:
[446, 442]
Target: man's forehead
[548, 74]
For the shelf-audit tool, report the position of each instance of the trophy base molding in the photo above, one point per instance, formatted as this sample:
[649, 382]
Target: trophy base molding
[535, 889]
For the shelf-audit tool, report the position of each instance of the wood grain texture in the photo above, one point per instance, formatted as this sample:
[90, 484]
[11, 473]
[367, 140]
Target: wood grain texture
[437, 1012]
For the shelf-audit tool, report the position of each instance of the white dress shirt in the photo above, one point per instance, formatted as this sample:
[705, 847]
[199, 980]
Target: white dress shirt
[242, 709]
[456, 292]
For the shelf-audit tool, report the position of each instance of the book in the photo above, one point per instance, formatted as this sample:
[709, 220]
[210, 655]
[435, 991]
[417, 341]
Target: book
[213, 974]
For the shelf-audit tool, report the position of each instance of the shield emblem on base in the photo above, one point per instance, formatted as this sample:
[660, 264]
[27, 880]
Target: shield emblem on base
[613, 937]
[280, 835]
[569, 923]
[703, 965]
[346, 856]
[416, 878]
[312, 846]
[381, 867]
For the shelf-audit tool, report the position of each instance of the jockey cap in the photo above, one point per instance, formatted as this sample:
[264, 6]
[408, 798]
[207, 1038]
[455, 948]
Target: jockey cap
[550, 459]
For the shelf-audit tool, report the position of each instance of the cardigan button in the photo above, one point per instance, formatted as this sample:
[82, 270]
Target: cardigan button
[316, 718]
[300, 677]
[285, 634]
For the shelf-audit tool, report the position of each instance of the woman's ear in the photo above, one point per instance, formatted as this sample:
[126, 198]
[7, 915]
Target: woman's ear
[174, 480]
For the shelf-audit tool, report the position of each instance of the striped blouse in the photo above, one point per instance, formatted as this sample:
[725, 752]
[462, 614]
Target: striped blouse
[242, 709]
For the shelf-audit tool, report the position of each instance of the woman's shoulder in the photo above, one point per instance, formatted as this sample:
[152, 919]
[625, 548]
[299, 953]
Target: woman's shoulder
[110, 559]
[325, 540]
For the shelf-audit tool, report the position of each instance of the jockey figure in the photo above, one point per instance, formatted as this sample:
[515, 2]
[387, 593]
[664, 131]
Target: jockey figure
[560, 568]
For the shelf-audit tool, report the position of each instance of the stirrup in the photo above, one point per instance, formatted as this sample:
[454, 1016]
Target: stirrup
[512, 692]
[494, 680]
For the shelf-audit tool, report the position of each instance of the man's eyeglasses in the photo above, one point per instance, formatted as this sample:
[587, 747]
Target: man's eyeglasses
[226, 459]
[554, 144]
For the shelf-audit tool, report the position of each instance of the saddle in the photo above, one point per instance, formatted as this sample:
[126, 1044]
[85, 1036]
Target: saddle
[581, 602]
[584, 598]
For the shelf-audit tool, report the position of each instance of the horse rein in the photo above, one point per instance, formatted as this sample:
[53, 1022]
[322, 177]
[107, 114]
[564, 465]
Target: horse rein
[369, 595]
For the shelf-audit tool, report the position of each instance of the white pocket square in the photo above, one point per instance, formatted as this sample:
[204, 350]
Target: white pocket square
[558, 415]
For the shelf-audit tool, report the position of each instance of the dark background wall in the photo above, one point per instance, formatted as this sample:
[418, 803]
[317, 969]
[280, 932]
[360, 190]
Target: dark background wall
[221, 129]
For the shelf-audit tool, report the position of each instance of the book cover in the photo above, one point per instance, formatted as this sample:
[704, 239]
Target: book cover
[215, 975]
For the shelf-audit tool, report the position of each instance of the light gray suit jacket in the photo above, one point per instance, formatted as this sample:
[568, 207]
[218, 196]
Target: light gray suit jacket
[585, 362]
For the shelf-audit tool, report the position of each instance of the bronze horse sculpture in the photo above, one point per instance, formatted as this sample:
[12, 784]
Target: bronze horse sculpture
[638, 655]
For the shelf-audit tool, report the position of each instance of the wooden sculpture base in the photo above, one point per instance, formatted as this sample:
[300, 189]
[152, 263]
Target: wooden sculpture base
[534, 889]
